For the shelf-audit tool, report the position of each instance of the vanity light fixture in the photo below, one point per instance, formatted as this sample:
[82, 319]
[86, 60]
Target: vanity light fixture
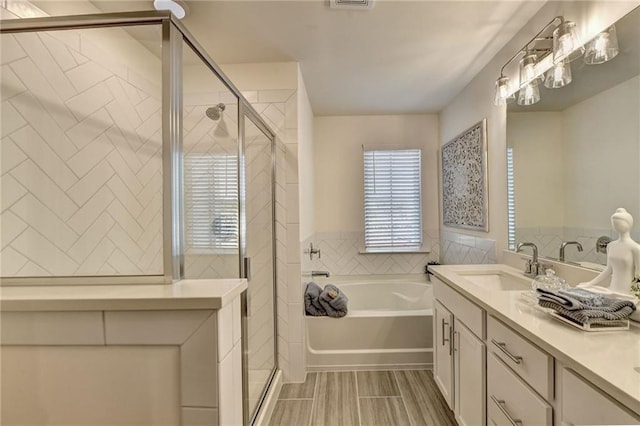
[558, 40]
[559, 75]
[602, 48]
[566, 42]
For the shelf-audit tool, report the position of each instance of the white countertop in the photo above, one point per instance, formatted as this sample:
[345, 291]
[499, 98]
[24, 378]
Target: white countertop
[185, 294]
[610, 360]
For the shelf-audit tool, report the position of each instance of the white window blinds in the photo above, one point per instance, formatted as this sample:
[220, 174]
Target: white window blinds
[211, 201]
[392, 200]
[511, 200]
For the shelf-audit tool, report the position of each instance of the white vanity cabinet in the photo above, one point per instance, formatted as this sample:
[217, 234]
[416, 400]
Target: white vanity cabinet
[460, 352]
[584, 404]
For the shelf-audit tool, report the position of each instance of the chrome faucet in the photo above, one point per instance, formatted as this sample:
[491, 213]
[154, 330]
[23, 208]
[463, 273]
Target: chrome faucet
[533, 268]
[566, 243]
[320, 274]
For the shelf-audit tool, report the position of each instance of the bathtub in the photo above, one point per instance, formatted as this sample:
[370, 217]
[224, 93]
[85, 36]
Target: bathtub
[389, 325]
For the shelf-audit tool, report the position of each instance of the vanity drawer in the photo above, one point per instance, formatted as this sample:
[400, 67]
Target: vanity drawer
[466, 311]
[511, 401]
[527, 360]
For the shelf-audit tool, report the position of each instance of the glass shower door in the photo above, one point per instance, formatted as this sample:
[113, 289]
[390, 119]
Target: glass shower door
[260, 360]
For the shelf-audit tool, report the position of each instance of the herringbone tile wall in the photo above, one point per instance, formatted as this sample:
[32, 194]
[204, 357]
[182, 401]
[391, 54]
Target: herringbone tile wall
[460, 249]
[341, 255]
[81, 157]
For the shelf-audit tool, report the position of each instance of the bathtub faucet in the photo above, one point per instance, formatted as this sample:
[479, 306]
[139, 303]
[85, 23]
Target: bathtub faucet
[320, 274]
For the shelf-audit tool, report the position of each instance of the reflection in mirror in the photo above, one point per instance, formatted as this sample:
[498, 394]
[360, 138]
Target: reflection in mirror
[574, 156]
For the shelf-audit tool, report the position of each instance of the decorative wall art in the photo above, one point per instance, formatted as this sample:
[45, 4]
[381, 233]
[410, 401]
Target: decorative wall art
[464, 179]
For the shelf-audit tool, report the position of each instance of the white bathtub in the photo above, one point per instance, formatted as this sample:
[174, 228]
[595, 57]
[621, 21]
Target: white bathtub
[389, 325]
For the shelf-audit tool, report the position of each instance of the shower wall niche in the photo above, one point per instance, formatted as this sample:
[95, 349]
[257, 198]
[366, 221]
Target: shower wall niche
[81, 148]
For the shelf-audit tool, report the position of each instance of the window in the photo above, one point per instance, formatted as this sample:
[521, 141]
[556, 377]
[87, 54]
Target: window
[392, 200]
[511, 200]
[211, 201]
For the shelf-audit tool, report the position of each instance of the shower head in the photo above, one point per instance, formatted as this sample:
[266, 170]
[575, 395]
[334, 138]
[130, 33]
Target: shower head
[215, 112]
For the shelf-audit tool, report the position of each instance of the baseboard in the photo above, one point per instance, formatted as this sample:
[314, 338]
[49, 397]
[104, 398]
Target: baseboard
[312, 368]
[270, 400]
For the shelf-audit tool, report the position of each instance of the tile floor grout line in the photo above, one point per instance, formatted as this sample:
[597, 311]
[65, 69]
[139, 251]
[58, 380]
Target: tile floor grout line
[355, 375]
[313, 400]
[404, 404]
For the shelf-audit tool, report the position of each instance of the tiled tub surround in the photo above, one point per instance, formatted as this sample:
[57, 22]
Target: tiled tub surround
[81, 156]
[153, 354]
[342, 255]
[458, 249]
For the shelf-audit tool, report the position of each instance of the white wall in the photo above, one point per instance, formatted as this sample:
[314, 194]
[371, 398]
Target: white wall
[339, 188]
[536, 138]
[475, 102]
[305, 162]
[339, 168]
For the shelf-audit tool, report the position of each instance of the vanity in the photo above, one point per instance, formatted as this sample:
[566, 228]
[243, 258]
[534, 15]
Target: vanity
[500, 361]
[123, 354]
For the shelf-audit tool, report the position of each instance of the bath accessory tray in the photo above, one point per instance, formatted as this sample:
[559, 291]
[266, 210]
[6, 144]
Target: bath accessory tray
[615, 325]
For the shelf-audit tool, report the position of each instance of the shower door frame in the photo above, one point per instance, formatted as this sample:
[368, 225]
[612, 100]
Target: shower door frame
[174, 35]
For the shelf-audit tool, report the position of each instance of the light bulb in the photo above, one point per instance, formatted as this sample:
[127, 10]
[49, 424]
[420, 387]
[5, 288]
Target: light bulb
[602, 48]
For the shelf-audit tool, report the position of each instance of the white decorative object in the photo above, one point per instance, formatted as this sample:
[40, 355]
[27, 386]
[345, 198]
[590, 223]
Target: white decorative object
[623, 260]
[464, 179]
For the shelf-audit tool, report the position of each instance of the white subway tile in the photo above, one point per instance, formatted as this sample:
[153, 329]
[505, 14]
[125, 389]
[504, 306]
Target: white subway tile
[11, 119]
[90, 239]
[97, 258]
[10, 49]
[11, 192]
[39, 184]
[43, 220]
[10, 83]
[84, 189]
[59, 52]
[12, 226]
[44, 253]
[86, 103]
[89, 156]
[89, 212]
[39, 152]
[10, 155]
[45, 63]
[11, 262]
[90, 128]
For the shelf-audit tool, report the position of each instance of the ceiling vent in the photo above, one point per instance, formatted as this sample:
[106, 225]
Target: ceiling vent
[351, 4]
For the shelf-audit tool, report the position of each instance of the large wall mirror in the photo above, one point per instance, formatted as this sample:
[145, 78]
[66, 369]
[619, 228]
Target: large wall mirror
[575, 155]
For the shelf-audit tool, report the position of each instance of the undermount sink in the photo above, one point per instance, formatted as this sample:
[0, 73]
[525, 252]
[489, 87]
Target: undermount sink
[496, 280]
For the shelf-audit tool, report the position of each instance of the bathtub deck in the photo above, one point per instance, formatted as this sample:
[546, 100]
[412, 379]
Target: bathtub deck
[363, 398]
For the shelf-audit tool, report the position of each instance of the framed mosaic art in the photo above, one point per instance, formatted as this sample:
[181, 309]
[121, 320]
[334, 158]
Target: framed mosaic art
[465, 197]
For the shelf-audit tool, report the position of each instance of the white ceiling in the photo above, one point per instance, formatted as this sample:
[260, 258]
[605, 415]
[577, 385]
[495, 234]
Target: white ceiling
[400, 57]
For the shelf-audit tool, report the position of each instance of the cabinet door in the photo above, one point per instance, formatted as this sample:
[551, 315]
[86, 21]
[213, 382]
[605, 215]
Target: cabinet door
[469, 354]
[443, 371]
[583, 404]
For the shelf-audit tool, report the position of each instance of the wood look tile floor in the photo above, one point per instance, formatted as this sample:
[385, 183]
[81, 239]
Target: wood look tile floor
[363, 398]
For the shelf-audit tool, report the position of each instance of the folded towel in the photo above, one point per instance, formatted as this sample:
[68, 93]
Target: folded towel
[571, 300]
[334, 301]
[312, 300]
[585, 297]
[586, 316]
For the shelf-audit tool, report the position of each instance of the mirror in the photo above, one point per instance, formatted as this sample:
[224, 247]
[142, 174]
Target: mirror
[574, 157]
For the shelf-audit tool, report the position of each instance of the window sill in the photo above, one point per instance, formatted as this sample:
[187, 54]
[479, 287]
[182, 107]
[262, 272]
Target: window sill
[417, 250]
[210, 251]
